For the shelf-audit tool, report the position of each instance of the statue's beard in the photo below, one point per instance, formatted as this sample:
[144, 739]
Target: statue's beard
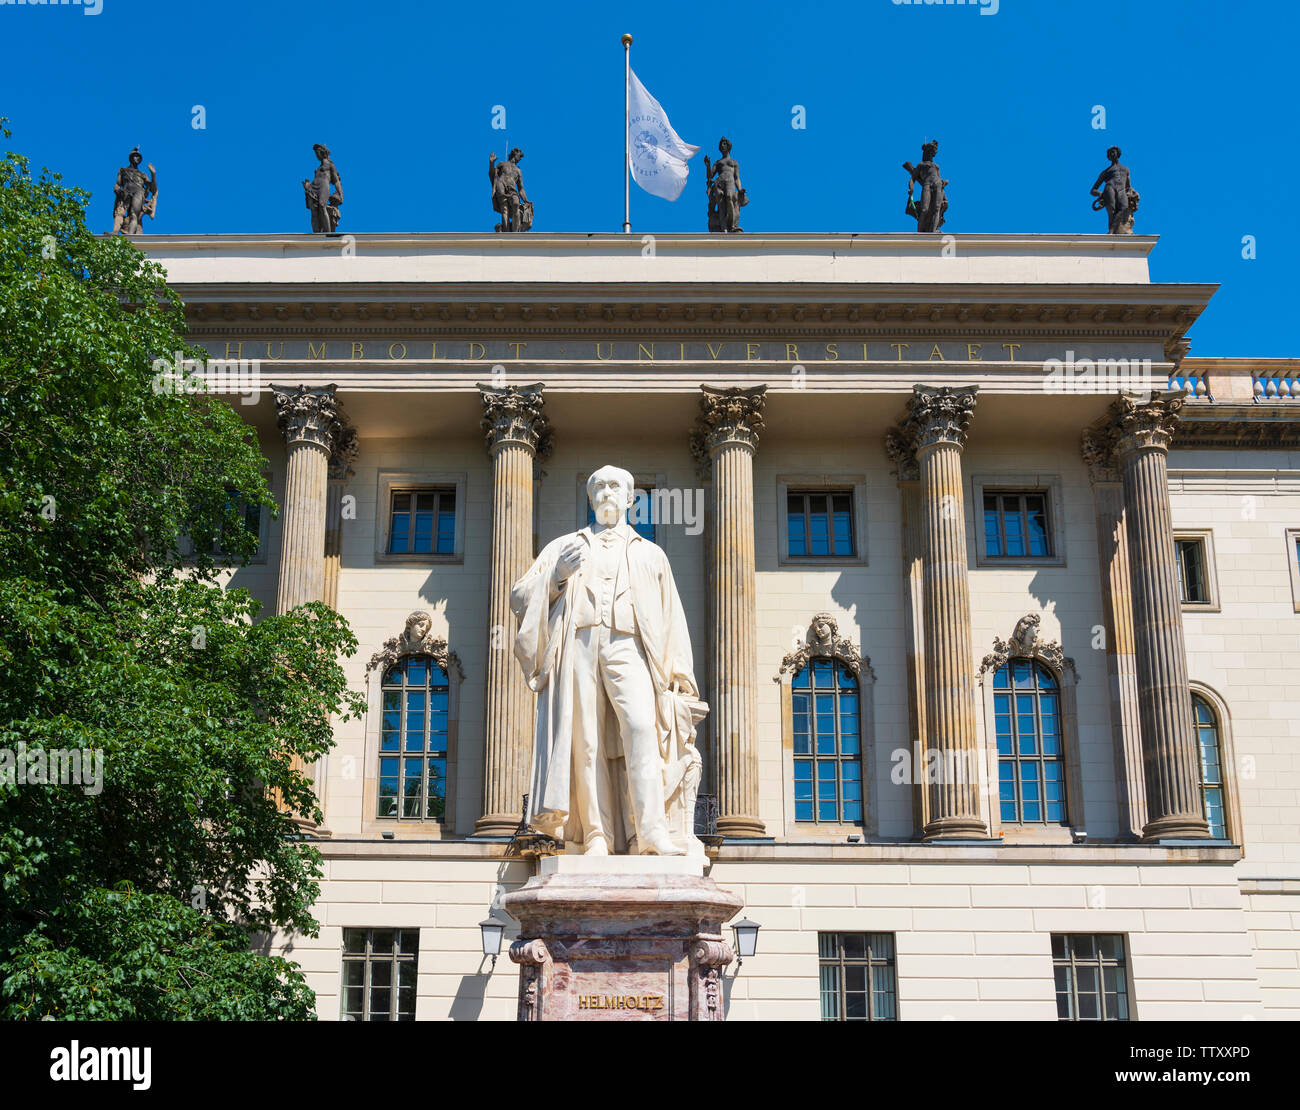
[607, 513]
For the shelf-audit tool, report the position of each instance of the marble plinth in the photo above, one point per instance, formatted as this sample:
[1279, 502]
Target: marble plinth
[621, 938]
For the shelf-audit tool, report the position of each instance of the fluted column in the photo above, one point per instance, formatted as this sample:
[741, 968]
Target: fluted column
[1117, 606]
[314, 431]
[1138, 435]
[913, 535]
[517, 433]
[724, 439]
[935, 431]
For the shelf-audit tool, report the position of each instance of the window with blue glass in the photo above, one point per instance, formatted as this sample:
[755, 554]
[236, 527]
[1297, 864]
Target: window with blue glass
[640, 515]
[1016, 526]
[1207, 738]
[819, 524]
[827, 744]
[413, 741]
[423, 522]
[1031, 760]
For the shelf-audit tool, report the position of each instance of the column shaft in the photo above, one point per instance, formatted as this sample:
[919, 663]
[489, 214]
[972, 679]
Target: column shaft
[517, 433]
[1170, 755]
[953, 798]
[931, 439]
[723, 442]
[735, 662]
[510, 706]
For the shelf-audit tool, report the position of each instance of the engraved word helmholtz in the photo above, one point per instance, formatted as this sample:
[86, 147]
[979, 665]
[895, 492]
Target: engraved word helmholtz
[603, 641]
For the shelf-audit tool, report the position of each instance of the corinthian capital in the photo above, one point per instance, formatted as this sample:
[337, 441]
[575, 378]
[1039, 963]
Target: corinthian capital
[1132, 425]
[310, 415]
[514, 414]
[730, 415]
[935, 414]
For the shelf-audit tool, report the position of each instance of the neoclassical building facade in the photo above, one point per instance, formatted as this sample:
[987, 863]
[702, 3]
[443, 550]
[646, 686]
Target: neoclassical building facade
[994, 594]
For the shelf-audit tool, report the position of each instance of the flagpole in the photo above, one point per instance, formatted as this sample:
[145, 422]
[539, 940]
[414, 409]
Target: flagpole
[627, 114]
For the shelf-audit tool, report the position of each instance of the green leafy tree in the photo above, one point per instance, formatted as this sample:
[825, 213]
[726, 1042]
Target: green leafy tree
[143, 896]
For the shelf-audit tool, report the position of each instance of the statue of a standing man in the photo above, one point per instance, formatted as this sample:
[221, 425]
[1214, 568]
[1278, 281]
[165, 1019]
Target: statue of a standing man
[508, 196]
[1115, 193]
[929, 214]
[603, 642]
[726, 197]
[323, 206]
[134, 196]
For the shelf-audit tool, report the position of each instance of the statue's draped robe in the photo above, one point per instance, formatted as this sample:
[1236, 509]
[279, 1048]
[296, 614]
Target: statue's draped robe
[545, 647]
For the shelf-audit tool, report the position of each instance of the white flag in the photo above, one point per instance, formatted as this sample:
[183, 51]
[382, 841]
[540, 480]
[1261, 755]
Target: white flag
[658, 156]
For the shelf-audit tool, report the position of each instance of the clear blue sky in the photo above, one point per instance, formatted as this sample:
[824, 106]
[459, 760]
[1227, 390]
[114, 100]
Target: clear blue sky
[1200, 94]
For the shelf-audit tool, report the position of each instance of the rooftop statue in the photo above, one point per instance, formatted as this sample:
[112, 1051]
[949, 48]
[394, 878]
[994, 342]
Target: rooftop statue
[602, 638]
[929, 214]
[1115, 193]
[324, 206]
[726, 197]
[134, 196]
[508, 196]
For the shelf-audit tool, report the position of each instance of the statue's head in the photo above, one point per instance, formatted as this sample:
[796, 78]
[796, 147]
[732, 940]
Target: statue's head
[135, 157]
[322, 151]
[724, 146]
[1113, 154]
[516, 155]
[930, 149]
[611, 491]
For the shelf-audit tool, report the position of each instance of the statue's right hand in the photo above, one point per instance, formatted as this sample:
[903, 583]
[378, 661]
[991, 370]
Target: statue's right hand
[569, 561]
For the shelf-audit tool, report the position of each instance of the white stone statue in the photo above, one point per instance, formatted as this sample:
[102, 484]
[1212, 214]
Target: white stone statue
[603, 642]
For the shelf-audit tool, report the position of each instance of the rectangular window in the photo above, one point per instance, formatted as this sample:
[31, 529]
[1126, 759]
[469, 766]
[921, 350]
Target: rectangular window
[858, 977]
[380, 967]
[640, 515]
[1016, 525]
[423, 522]
[820, 523]
[1091, 977]
[1192, 587]
[1293, 562]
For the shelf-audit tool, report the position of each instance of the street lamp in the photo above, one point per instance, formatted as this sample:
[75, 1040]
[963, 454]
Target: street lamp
[492, 930]
[746, 939]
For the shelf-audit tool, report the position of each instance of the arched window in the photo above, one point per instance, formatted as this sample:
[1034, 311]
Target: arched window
[413, 740]
[1031, 759]
[1212, 784]
[827, 743]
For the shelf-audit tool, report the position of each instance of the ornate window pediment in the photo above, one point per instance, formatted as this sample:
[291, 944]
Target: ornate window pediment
[1025, 643]
[416, 639]
[825, 642]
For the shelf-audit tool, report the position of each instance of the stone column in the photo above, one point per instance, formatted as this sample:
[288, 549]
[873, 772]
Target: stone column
[313, 427]
[935, 432]
[517, 434]
[913, 533]
[724, 438]
[1121, 662]
[315, 432]
[1138, 436]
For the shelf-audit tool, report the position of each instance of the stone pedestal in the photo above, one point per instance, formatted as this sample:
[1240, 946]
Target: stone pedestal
[621, 938]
